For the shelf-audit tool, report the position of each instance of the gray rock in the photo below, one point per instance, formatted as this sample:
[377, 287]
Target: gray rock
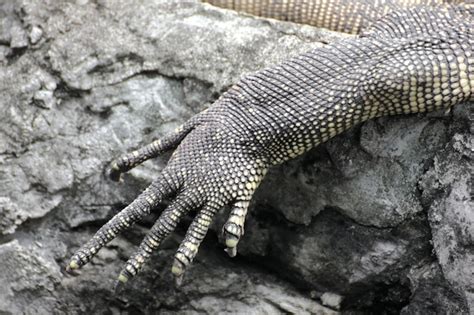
[374, 183]
[431, 294]
[10, 216]
[331, 299]
[35, 34]
[28, 281]
[351, 224]
[447, 186]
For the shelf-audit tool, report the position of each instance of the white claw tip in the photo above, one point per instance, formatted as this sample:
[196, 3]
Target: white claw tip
[231, 251]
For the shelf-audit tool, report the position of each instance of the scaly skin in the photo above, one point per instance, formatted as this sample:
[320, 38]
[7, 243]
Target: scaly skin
[403, 64]
[348, 16]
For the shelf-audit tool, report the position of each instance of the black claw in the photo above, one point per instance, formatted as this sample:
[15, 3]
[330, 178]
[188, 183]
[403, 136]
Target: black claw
[114, 173]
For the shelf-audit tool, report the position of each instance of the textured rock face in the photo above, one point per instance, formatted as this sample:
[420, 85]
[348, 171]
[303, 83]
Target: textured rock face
[379, 219]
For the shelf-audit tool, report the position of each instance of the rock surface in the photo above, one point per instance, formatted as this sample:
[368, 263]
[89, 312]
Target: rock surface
[379, 219]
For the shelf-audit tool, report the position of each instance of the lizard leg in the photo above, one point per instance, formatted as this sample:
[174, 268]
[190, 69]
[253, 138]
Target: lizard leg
[157, 147]
[134, 212]
[234, 227]
[165, 225]
[189, 247]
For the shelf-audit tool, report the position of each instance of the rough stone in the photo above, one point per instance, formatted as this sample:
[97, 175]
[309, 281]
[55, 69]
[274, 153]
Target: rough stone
[447, 187]
[28, 281]
[430, 292]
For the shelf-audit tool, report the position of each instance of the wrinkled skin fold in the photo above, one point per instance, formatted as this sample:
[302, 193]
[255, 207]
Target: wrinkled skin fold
[411, 61]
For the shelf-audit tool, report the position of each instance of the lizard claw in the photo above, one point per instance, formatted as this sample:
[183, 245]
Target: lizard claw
[234, 227]
[68, 271]
[231, 251]
[73, 265]
[71, 268]
[120, 283]
[114, 172]
[178, 281]
[178, 272]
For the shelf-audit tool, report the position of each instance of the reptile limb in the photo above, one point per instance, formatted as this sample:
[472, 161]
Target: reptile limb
[411, 61]
[347, 16]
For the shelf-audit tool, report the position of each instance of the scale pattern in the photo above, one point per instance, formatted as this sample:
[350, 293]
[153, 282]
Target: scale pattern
[348, 16]
[411, 61]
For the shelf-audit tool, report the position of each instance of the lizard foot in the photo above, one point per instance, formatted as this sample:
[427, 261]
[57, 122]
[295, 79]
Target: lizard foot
[207, 171]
